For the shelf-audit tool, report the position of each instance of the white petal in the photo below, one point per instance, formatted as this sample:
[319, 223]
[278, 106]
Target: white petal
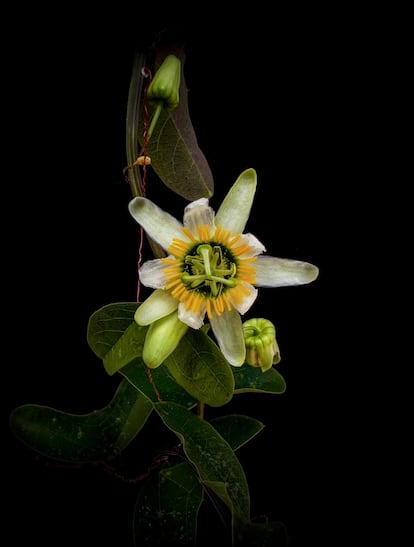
[255, 246]
[151, 274]
[158, 304]
[235, 209]
[245, 305]
[228, 330]
[159, 225]
[282, 272]
[193, 320]
[198, 213]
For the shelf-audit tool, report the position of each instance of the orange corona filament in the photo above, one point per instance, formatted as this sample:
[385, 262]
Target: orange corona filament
[206, 272]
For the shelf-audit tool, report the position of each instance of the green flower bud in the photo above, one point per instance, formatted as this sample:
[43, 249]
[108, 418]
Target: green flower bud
[165, 85]
[162, 338]
[262, 349]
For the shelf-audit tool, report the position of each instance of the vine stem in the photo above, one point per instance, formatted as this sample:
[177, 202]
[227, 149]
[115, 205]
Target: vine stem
[201, 408]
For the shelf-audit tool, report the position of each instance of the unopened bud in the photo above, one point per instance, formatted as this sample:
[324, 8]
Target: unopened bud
[262, 349]
[165, 85]
[162, 338]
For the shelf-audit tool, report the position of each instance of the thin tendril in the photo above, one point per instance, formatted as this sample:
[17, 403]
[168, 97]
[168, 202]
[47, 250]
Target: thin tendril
[147, 74]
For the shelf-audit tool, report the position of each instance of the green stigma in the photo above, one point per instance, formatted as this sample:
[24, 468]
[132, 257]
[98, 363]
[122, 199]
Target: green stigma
[209, 270]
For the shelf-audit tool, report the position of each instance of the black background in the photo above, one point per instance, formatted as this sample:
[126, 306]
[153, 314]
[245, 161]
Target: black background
[274, 92]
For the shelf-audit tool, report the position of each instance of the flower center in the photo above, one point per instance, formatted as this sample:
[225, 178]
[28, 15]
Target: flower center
[209, 269]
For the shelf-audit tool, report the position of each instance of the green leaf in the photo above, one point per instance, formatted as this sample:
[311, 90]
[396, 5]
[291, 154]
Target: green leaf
[221, 490]
[210, 454]
[108, 324]
[97, 436]
[127, 348]
[173, 148]
[249, 378]
[181, 495]
[167, 508]
[162, 382]
[200, 368]
[236, 429]
[114, 335]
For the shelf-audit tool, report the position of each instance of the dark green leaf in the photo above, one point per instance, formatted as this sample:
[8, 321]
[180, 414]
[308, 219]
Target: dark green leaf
[200, 368]
[211, 455]
[114, 335]
[127, 348]
[173, 148]
[161, 382]
[236, 429]
[167, 508]
[97, 436]
[220, 489]
[249, 378]
[147, 520]
[108, 324]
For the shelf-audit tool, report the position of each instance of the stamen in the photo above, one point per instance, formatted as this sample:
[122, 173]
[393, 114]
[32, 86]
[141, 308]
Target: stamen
[205, 251]
[229, 282]
[187, 278]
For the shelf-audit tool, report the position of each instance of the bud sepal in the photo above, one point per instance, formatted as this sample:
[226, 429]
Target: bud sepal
[262, 350]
